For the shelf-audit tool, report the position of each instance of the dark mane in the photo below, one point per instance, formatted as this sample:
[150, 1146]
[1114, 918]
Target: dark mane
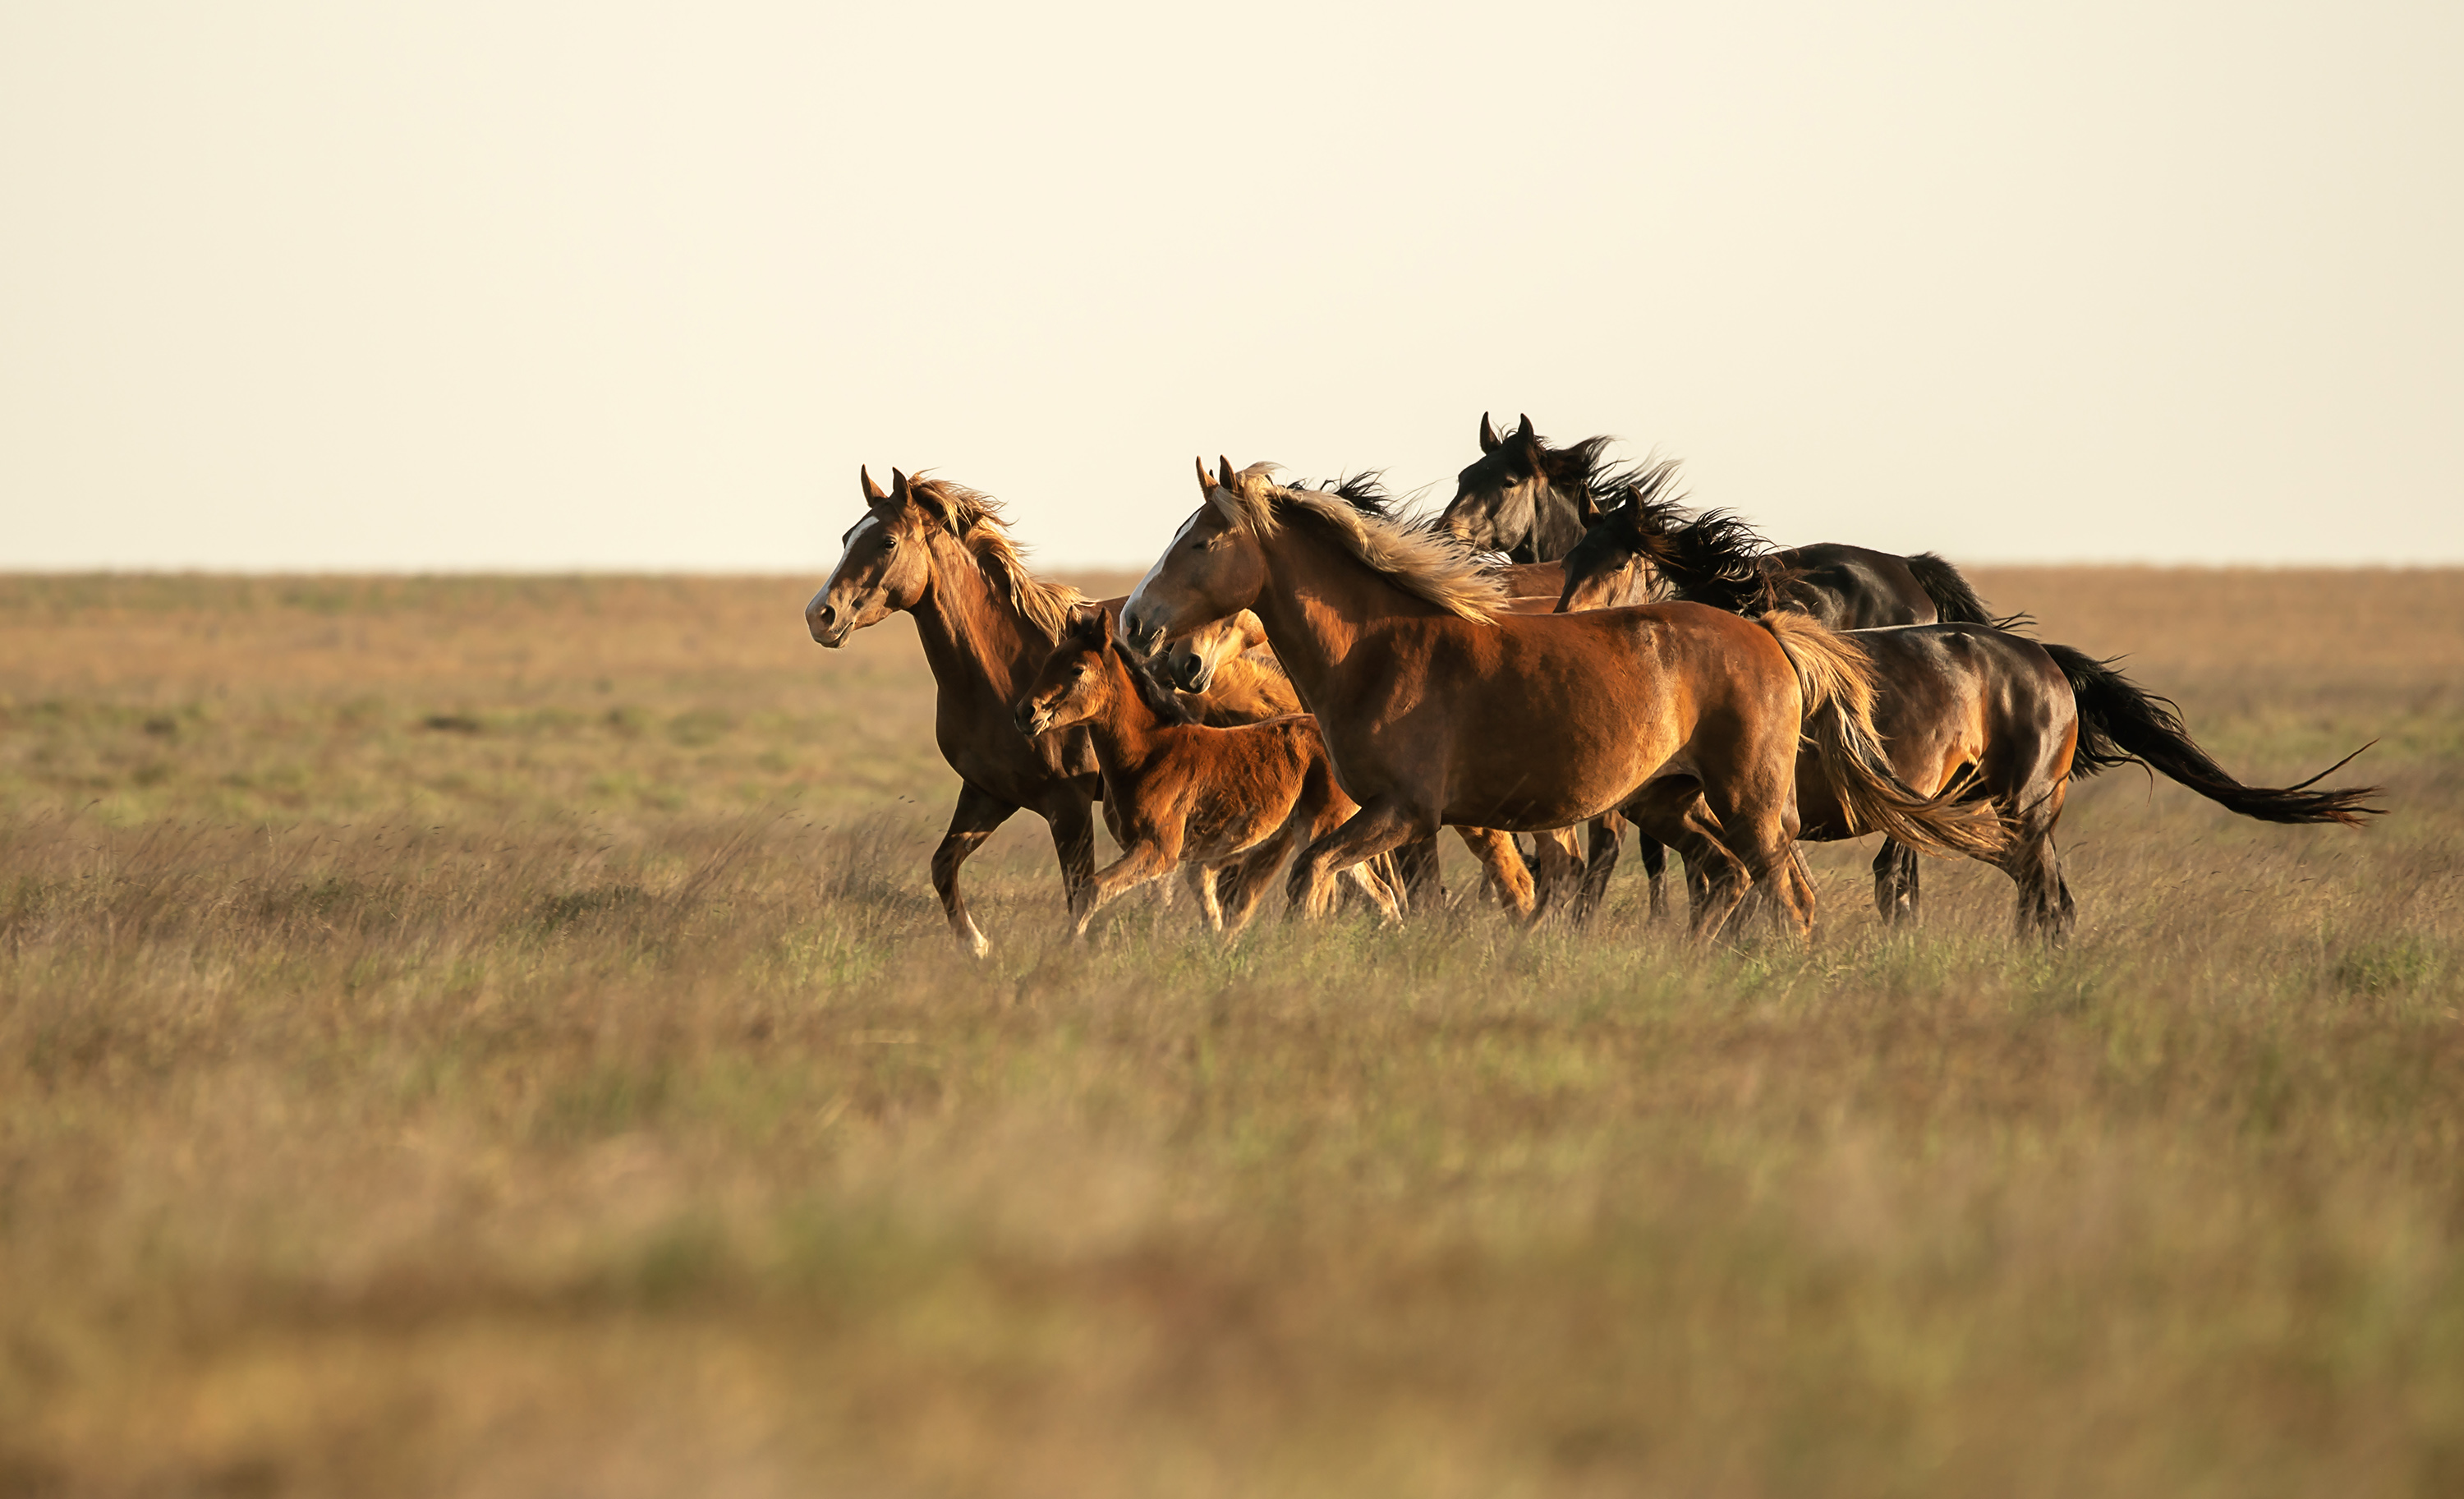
[1714, 558]
[1152, 689]
[1580, 471]
[1364, 492]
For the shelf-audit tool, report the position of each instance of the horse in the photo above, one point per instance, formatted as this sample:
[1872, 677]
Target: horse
[1184, 794]
[1232, 659]
[942, 553]
[1979, 709]
[1536, 502]
[1427, 690]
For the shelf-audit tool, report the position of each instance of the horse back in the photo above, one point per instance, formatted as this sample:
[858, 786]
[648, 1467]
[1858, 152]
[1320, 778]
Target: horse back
[1855, 587]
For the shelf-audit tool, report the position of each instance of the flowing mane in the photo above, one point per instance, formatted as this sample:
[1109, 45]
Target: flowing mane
[1425, 564]
[977, 519]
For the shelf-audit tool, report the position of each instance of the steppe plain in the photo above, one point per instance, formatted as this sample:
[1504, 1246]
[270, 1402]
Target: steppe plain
[494, 1036]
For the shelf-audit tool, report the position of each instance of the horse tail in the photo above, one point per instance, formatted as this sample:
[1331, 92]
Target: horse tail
[1837, 681]
[2120, 723]
[1954, 602]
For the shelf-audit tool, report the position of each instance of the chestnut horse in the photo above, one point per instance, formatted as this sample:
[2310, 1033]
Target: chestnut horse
[941, 552]
[2003, 720]
[1535, 502]
[1180, 793]
[1429, 693]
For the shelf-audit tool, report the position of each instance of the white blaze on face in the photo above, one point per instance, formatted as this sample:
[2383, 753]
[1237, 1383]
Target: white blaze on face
[1138, 595]
[832, 581]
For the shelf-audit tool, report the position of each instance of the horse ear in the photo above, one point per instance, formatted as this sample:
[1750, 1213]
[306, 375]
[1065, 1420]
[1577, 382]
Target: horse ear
[1525, 436]
[1488, 439]
[873, 493]
[1090, 625]
[1231, 475]
[1205, 485]
[922, 497]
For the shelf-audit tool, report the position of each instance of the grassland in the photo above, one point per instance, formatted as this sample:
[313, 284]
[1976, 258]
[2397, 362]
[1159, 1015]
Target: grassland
[493, 1037]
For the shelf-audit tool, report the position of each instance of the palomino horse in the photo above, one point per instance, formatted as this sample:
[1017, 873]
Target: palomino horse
[2003, 720]
[1535, 502]
[1183, 794]
[941, 552]
[1429, 693]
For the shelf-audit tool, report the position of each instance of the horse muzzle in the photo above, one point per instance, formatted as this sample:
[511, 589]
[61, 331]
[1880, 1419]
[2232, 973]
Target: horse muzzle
[1189, 671]
[1033, 719]
[1140, 637]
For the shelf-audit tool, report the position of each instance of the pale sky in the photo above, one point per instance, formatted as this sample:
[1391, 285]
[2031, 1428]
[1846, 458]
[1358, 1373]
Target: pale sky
[506, 285]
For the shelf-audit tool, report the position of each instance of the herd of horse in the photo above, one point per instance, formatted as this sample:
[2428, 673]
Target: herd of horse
[1308, 681]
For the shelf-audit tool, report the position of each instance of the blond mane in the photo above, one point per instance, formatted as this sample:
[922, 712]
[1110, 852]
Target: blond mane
[977, 519]
[1425, 564]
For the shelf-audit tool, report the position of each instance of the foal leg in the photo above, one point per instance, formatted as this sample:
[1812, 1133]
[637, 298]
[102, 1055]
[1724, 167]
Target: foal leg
[1201, 884]
[972, 821]
[1146, 859]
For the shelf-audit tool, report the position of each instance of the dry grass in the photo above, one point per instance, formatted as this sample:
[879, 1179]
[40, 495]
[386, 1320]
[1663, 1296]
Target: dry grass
[493, 1037]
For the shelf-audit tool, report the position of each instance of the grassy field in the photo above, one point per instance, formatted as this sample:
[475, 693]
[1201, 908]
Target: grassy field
[494, 1036]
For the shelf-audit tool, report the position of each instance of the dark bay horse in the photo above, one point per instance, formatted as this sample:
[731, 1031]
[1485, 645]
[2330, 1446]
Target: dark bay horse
[942, 553]
[1535, 502]
[2000, 719]
[1428, 693]
[1186, 795]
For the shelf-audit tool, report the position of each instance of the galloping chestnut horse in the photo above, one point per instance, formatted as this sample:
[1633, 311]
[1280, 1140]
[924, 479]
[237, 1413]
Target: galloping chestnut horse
[2006, 719]
[1183, 794]
[941, 552]
[1426, 691]
[1535, 502]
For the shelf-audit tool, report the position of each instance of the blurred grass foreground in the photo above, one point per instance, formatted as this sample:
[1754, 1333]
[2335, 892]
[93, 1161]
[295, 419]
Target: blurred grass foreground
[495, 1036]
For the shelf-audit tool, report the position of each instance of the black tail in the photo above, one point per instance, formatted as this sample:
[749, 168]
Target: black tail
[1953, 600]
[2120, 723]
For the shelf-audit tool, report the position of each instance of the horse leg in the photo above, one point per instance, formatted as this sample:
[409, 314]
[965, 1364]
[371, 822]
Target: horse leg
[1508, 877]
[1654, 871]
[1897, 880]
[1415, 863]
[1756, 821]
[1365, 877]
[1556, 867]
[976, 817]
[1369, 831]
[1073, 840]
[1600, 862]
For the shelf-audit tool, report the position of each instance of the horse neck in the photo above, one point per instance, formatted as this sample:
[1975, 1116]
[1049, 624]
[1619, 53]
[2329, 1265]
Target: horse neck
[1127, 732]
[975, 640]
[1317, 599]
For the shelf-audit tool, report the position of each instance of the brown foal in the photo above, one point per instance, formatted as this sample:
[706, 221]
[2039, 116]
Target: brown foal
[1186, 794]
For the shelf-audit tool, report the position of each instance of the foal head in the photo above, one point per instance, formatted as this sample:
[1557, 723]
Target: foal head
[887, 564]
[1087, 677]
[1524, 497]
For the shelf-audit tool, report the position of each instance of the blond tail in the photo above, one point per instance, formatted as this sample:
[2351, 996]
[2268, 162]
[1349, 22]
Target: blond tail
[1837, 683]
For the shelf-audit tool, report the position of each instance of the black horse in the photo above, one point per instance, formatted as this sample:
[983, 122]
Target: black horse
[2005, 718]
[1534, 503]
